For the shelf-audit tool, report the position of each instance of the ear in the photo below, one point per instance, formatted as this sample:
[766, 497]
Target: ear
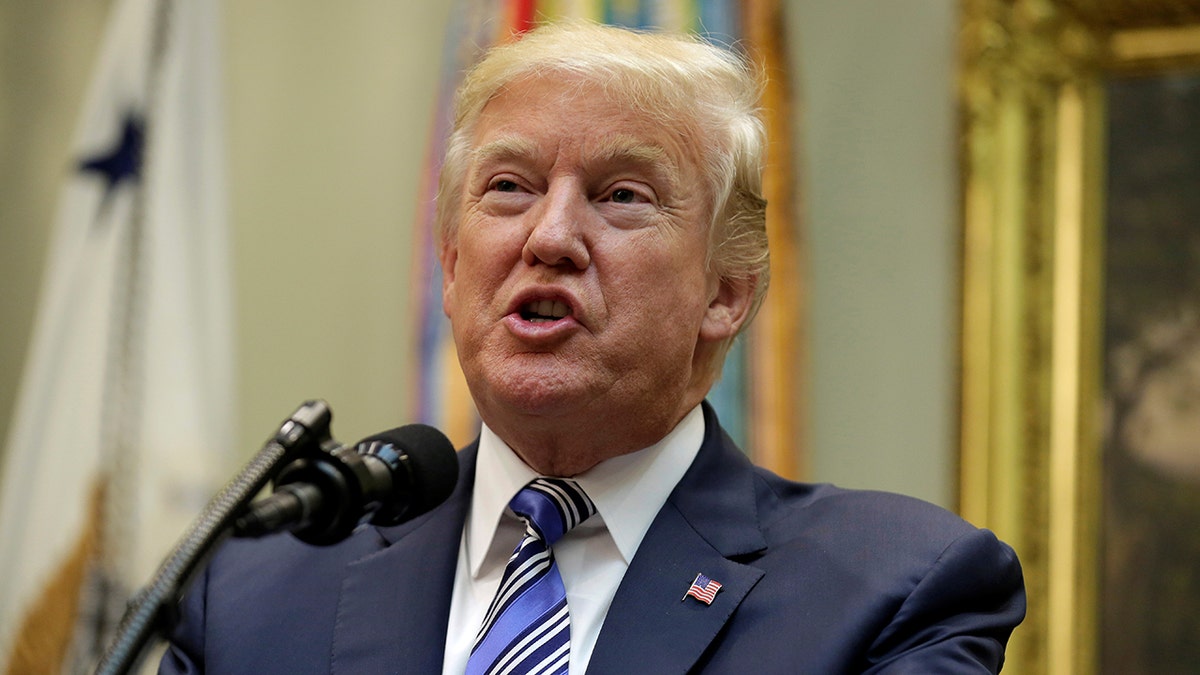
[728, 308]
[448, 255]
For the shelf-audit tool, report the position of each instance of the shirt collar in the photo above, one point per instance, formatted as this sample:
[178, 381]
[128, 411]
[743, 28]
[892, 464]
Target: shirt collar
[628, 490]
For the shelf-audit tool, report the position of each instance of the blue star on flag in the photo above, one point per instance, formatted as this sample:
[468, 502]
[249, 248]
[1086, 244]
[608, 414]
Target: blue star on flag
[123, 161]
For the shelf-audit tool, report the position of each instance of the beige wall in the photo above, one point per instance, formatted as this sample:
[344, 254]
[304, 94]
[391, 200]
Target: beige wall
[881, 171]
[329, 107]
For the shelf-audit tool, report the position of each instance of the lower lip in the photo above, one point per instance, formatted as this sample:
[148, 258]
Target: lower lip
[540, 330]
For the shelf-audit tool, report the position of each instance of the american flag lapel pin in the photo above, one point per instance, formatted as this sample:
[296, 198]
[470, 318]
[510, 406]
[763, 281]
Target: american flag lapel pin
[702, 589]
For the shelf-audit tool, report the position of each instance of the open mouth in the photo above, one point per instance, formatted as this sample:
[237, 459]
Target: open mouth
[544, 311]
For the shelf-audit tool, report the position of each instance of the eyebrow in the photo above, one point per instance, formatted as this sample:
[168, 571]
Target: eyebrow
[507, 148]
[620, 149]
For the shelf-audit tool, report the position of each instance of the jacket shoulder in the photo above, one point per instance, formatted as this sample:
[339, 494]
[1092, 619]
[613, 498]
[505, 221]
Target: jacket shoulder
[789, 510]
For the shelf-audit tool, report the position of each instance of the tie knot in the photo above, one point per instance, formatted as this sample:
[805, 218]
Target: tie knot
[552, 507]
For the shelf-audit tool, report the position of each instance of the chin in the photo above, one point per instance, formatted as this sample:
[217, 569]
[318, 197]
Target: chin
[539, 396]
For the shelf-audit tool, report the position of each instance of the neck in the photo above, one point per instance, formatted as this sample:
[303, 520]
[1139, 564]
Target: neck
[562, 448]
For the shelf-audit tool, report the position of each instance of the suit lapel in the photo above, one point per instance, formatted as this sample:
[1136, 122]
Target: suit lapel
[651, 627]
[395, 603]
[709, 518]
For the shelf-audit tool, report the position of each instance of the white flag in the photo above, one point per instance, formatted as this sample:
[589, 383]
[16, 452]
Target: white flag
[124, 422]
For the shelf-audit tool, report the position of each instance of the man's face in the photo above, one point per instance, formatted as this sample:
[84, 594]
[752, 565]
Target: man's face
[576, 283]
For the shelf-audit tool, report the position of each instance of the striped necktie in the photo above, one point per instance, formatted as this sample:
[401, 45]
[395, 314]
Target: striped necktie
[527, 629]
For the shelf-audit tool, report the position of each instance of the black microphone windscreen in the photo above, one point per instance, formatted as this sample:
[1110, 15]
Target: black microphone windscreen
[432, 463]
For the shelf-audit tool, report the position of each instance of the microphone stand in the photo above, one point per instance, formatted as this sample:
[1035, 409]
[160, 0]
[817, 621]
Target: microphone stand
[156, 604]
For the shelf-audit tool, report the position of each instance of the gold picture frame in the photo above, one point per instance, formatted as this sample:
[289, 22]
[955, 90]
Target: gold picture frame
[1033, 122]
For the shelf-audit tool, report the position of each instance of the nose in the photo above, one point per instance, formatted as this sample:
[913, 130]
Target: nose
[556, 237]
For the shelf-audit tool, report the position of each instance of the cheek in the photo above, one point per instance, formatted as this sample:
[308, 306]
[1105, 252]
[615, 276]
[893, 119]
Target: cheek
[487, 252]
[663, 297]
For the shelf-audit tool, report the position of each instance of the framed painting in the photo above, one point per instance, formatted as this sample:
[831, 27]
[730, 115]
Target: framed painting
[1080, 342]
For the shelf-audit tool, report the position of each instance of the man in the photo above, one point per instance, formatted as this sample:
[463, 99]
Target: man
[602, 243]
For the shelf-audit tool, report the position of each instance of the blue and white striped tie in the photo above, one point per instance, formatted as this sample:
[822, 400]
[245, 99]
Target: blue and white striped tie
[527, 629]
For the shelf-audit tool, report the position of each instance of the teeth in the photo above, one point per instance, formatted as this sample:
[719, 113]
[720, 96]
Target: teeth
[546, 310]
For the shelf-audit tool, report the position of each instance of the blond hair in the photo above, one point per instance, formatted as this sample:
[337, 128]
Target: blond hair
[679, 79]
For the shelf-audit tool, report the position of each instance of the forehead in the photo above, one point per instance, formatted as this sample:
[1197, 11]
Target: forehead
[546, 115]
[605, 151]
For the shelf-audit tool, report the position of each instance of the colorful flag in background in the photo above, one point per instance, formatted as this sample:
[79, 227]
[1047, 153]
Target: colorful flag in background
[759, 395]
[124, 422]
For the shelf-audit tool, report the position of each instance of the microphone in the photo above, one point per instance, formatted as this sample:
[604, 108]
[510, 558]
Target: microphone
[387, 479]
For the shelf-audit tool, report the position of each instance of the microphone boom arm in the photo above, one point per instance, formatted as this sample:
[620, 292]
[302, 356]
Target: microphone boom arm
[307, 430]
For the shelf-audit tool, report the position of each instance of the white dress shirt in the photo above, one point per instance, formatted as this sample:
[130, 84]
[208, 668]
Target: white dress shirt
[628, 492]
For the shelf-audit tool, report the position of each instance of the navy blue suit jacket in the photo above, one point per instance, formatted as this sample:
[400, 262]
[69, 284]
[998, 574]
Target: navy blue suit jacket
[815, 579]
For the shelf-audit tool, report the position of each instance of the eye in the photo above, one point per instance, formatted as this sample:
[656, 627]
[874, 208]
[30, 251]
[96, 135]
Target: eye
[633, 194]
[503, 185]
[623, 196]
